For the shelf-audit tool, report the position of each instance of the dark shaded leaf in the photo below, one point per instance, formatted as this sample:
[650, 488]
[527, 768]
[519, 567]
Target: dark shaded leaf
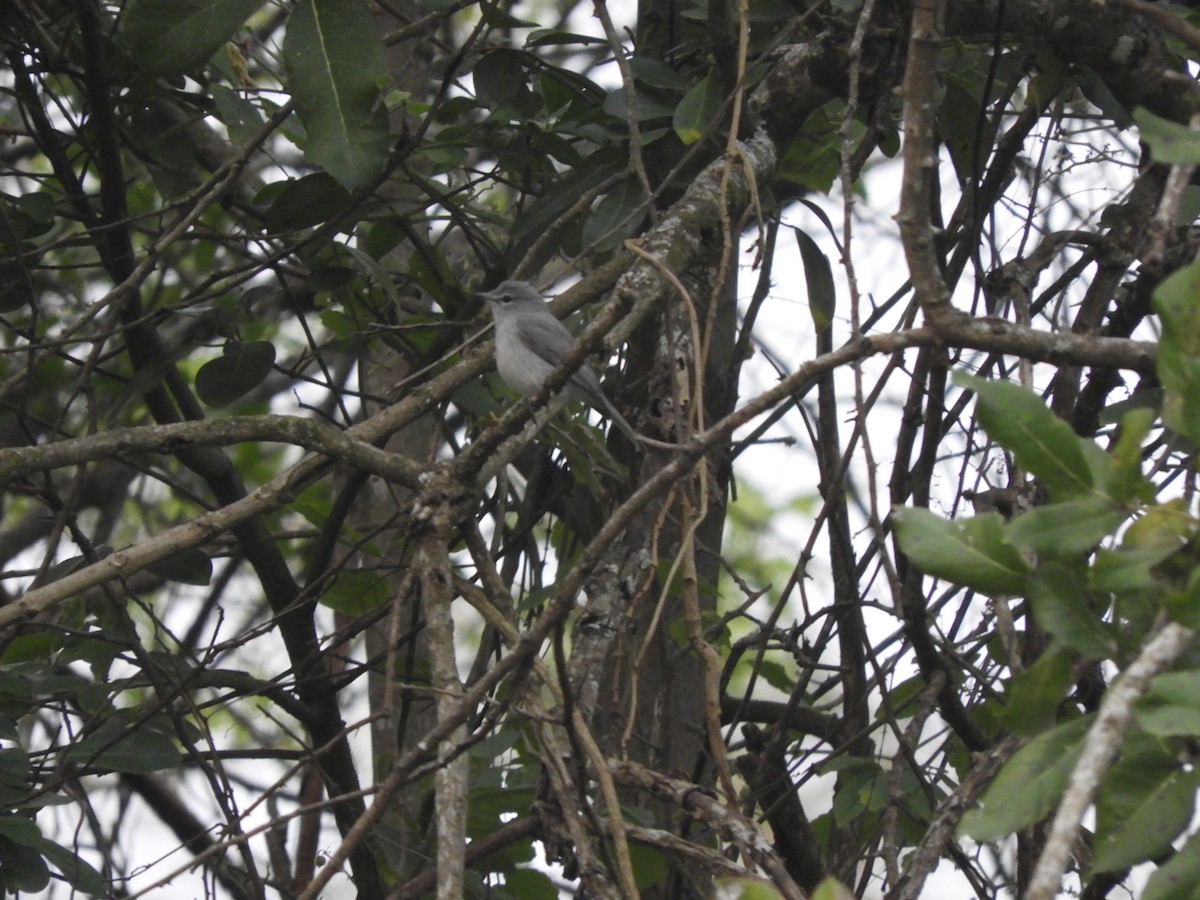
[169, 37]
[239, 370]
[616, 217]
[241, 117]
[649, 106]
[189, 566]
[499, 76]
[303, 202]
[21, 865]
[77, 872]
[335, 64]
[126, 744]
[548, 37]
[356, 593]
[16, 288]
[657, 74]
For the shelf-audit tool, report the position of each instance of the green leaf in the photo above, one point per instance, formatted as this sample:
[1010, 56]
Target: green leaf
[20, 830]
[697, 110]
[14, 775]
[616, 217]
[1034, 696]
[818, 279]
[1184, 606]
[1172, 705]
[1030, 784]
[1177, 302]
[1065, 529]
[861, 787]
[1061, 606]
[29, 646]
[550, 37]
[77, 872]
[649, 867]
[530, 883]
[237, 371]
[1171, 143]
[830, 889]
[1177, 878]
[189, 566]
[496, 17]
[812, 161]
[657, 74]
[22, 867]
[970, 552]
[16, 288]
[169, 37]
[241, 117]
[302, 202]
[335, 64]
[1043, 444]
[356, 593]
[649, 106]
[499, 76]
[1145, 800]
[125, 744]
[1126, 483]
[902, 699]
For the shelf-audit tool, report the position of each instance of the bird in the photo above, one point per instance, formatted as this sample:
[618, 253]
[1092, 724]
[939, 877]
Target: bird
[531, 342]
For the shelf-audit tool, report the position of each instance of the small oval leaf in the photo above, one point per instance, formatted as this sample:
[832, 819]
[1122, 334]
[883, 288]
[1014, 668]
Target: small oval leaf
[189, 566]
[239, 370]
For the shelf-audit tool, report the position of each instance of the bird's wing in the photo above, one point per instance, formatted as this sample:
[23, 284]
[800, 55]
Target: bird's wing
[546, 338]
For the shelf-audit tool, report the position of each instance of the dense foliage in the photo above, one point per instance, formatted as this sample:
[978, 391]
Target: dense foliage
[299, 600]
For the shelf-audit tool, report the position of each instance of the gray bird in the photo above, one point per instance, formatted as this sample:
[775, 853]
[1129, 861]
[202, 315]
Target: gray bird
[530, 343]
